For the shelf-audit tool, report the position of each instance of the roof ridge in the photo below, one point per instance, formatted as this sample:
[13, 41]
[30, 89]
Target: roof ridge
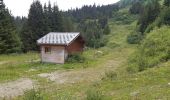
[63, 32]
[60, 38]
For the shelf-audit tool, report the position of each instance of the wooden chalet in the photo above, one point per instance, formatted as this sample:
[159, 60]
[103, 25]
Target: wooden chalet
[56, 46]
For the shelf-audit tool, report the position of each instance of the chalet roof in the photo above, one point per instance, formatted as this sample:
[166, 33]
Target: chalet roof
[58, 38]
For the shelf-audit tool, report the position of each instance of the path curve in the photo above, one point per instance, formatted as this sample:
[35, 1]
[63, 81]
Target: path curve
[15, 88]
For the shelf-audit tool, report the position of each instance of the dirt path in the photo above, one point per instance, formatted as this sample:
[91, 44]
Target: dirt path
[81, 75]
[62, 77]
[3, 62]
[15, 88]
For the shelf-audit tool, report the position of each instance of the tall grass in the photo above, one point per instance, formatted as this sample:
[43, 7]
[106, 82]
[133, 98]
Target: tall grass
[33, 95]
[154, 49]
[93, 94]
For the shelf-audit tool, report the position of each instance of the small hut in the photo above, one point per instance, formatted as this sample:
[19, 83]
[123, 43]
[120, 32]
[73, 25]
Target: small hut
[56, 46]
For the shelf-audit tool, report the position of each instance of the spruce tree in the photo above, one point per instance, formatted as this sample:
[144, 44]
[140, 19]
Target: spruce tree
[35, 27]
[57, 20]
[167, 3]
[68, 24]
[9, 40]
[149, 14]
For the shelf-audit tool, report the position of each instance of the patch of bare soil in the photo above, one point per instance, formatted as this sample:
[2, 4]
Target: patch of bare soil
[81, 75]
[3, 62]
[15, 88]
[62, 77]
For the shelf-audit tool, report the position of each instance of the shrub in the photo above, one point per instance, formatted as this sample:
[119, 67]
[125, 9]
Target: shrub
[166, 15]
[93, 94]
[92, 33]
[76, 58]
[153, 50]
[33, 95]
[107, 30]
[134, 38]
[110, 75]
[113, 45]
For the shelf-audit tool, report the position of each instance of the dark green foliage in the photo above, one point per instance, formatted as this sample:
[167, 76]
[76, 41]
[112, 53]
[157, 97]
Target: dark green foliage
[107, 30]
[124, 17]
[150, 12]
[33, 95]
[93, 94]
[136, 7]
[19, 22]
[167, 3]
[56, 20]
[9, 40]
[165, 16]
[92, 12]
[103, 22]
[156, 23]
[74, 58]
[134, 38]
[111, 75]
[92, 32]
[34, 28]
[40, 22]
[68, 24]
[153, 50]
[125, 3]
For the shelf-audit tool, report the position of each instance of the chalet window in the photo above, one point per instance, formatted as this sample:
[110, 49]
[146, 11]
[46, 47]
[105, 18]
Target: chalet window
[47, 49]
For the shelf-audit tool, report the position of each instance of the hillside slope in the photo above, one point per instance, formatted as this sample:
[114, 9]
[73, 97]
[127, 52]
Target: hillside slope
[102, 76]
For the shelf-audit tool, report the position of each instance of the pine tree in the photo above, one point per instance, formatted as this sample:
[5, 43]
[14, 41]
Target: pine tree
[165, 16]
[136, 7]
[9, 40]
[92, 32]
[167, 3]
[68, 24]
[46, 19]
[106, 30]
[149, 14]
[57, 20]
[34, 28]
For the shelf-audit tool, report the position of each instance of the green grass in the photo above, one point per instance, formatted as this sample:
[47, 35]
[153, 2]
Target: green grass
[17, 66]
[115, 84]
[154, 50]
[149, 85]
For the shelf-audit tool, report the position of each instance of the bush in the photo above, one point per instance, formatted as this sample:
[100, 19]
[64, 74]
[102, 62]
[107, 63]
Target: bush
[124, 17]
[76, 58]
[134, 38]
[107, 30]
[93, 94]
[136, 7]
[92, 33]
[33, 95]
[113, 45]
[153, 50]
[110, 75]
[166, 15]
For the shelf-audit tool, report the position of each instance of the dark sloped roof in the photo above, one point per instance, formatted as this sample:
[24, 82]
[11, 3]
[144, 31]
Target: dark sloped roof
[58, 38]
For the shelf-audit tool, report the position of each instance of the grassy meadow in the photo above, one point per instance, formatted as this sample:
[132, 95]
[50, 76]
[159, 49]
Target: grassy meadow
[111, 80]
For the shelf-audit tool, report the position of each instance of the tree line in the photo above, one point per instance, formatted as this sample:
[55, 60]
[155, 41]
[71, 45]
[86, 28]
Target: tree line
[92, 22]
[42, 20]
[151, 15]
[19, 34]
[9, 38]
[152, 35]
[92, 12]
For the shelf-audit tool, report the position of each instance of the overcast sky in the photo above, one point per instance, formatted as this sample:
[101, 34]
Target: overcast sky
[21, 7]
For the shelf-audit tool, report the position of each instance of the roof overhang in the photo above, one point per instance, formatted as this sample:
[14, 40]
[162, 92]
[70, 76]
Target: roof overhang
[58, 38]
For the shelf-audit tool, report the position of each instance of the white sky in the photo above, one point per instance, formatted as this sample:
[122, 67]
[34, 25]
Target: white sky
[21, 7]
